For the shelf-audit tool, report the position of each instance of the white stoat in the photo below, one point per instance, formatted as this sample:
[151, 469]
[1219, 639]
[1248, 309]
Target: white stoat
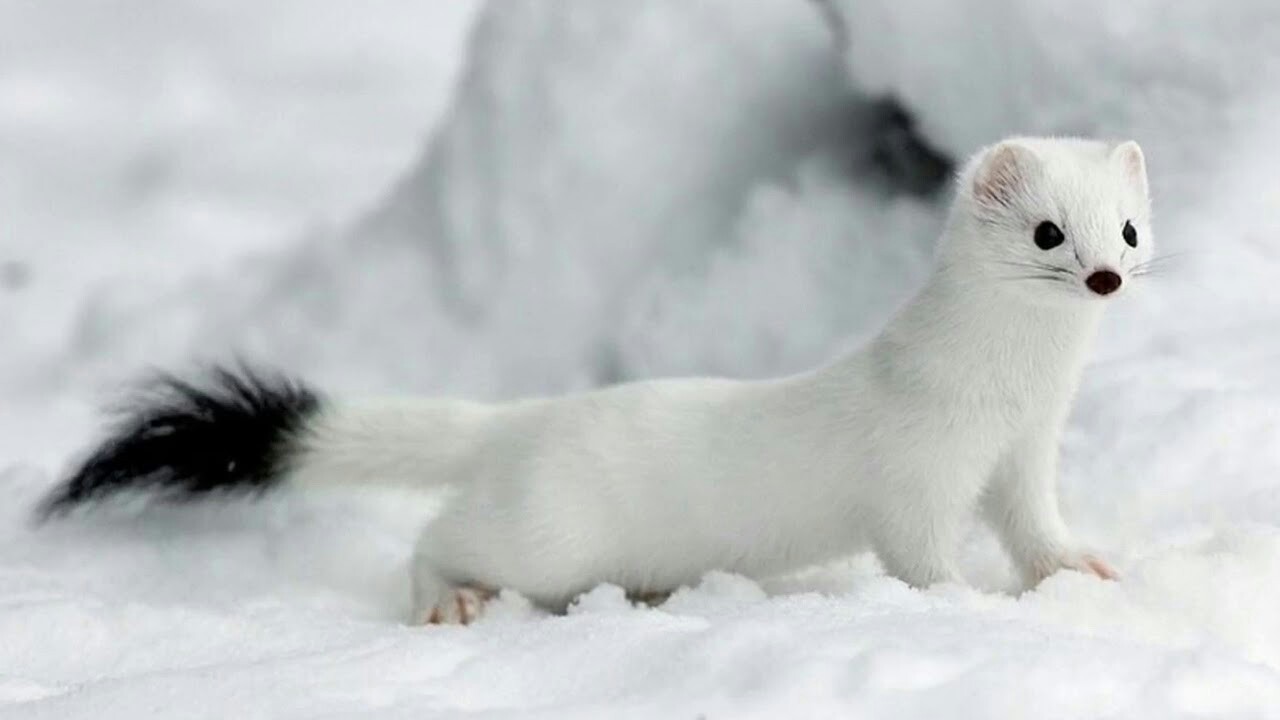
[956, 406]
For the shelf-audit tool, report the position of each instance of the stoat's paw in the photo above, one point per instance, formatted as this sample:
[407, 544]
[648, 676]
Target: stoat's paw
[1079, 561]
[458, 606]
[1098, 566]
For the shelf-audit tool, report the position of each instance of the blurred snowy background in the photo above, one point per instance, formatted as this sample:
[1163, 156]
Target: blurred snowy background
[523, 197]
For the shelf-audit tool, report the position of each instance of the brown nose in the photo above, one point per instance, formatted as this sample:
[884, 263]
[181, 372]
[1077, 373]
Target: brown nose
[1103, 282]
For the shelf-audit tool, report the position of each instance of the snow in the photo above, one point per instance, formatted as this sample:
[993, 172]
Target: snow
[1178, 77]
[145, 142]
[612, 190]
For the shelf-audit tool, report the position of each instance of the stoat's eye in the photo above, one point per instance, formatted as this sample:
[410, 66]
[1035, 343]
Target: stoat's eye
[1048, 236]
[1130, 235]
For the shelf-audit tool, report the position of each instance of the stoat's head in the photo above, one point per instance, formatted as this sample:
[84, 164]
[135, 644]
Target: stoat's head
[1053, 220]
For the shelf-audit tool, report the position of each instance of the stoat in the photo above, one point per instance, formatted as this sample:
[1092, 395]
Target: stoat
[955, 407]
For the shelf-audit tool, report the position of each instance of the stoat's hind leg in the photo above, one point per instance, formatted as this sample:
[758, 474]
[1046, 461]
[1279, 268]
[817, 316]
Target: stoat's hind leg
[439, 602]
[459, 606]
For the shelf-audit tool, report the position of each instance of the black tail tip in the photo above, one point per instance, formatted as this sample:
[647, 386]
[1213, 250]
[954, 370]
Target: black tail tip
[236, 430]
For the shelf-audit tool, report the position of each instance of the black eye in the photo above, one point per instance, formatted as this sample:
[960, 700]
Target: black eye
[1048, 236]
[1130, 235]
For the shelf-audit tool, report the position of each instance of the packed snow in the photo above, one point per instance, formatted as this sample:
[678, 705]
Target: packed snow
[532, 197]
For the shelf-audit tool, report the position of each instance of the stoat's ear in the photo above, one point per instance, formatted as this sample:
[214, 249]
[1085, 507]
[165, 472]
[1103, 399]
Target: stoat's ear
[1128, 157]
[1003, 173]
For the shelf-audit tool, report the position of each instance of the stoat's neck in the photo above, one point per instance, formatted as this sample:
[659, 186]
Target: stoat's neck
[962, 340]
[966, 335]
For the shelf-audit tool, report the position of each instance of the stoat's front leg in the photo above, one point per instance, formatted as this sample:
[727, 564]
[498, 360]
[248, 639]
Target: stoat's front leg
[920, 520]
[1021, 504]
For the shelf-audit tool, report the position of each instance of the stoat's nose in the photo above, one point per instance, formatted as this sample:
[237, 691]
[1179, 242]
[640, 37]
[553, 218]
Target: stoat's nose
[1103, 282]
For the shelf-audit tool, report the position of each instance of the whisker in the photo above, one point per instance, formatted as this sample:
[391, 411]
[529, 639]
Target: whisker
[1161, 260]
[1037, 266]
[1156, 266]
[1051, 278]
[1172, 255]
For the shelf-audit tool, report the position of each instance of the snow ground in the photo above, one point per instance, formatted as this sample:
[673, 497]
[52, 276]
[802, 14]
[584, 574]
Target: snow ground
[615, 190]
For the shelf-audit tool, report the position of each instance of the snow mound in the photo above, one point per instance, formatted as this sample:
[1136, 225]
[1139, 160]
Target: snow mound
[1175, 76]
[572, 198]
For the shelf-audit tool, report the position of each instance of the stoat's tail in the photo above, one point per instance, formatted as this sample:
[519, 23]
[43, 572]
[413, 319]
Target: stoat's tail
[238, 431]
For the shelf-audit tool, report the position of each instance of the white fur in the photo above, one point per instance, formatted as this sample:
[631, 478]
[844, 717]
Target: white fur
[956, 406]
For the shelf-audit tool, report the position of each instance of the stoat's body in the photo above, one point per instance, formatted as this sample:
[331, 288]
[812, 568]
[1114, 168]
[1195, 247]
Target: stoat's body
[955, 407]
